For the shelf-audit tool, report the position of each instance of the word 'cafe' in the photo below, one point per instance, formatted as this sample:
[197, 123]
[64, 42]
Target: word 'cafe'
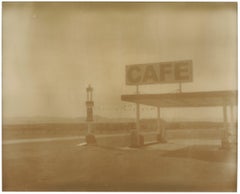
[165, 72]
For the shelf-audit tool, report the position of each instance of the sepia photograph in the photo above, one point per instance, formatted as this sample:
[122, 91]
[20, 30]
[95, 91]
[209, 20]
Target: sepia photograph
[119, 96]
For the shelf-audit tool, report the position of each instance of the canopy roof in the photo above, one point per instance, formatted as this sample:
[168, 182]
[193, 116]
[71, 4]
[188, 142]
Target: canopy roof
[191, 99]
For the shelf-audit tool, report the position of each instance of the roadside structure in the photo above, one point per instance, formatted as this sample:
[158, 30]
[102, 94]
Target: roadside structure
[175, 72]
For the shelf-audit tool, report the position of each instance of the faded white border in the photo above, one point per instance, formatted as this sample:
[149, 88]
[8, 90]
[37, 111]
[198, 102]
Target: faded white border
[238, 8]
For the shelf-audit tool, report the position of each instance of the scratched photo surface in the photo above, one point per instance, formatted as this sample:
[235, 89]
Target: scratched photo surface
[119, 96]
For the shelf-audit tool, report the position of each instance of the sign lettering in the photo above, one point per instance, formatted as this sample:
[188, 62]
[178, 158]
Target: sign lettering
[155, 73]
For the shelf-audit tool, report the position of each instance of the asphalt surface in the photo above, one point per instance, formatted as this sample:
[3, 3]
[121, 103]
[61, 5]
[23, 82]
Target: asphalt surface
[66, 164]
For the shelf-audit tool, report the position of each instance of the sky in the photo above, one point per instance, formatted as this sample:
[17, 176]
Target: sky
[52, 51]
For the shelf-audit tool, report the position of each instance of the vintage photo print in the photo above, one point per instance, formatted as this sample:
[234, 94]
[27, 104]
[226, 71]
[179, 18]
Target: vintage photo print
[119, 96]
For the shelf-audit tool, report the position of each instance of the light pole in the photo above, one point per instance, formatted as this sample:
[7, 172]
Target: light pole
[89, 105]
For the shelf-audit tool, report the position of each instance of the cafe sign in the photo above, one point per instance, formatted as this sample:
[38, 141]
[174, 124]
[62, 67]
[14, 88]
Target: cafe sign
[159, 73]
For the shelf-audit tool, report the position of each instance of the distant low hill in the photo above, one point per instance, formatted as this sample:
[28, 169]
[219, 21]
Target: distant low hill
[40, 120]
[152, 123]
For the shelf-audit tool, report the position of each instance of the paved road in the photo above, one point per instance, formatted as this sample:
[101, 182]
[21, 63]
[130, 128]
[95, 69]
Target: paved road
[20, 141]
[49, 139]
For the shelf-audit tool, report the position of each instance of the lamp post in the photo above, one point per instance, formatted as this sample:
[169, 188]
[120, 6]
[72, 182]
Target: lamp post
[90, 138]
[89, 106]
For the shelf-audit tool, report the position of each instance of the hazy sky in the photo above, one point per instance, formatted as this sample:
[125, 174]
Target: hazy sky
[52, 51]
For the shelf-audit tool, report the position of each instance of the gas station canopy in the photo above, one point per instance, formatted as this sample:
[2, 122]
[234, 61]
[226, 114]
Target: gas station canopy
[174, 72]
[191, 99]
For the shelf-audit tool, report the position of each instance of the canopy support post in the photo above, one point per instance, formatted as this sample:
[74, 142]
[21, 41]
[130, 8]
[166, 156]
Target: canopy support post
[225, 139]
[232, 128]
[180, 87]
[160, 128]
[158, 120]
[137, 139]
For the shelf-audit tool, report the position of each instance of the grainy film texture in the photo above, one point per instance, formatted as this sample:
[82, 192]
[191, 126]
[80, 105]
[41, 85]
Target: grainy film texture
[119, 96]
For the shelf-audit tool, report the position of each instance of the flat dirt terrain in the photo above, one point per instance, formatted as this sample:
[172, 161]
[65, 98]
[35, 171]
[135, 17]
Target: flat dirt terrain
[179, 165]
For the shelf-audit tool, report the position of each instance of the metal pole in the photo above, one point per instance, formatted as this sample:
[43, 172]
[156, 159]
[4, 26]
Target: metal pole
[138, 117]
[136, 141]
[231, 114]
[158, 120]
[225, 125]
[180, 87]
[137, 112]
[232, 126]
[137, 89]
[225, 117]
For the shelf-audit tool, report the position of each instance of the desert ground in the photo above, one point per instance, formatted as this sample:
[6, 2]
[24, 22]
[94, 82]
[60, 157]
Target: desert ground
[187, 162]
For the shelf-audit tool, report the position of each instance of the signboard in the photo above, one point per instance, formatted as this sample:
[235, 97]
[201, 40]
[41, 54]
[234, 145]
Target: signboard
[159, 73]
